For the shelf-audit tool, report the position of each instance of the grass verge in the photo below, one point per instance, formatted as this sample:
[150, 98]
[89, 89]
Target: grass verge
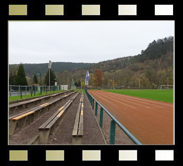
[79, 90]
[14, 98]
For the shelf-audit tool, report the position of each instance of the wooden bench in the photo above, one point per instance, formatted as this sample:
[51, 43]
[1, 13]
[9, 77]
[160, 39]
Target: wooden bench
[13, 108]
[47, 127]
[23, 119]
[77, 133]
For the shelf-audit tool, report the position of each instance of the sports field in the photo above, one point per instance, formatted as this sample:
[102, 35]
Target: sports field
[150, 121]
[160, 95]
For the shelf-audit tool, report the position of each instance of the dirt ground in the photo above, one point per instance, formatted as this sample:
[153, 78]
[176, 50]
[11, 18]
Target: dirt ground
[150, 121]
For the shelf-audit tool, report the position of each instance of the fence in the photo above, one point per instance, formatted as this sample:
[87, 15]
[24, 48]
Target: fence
[19, 90]
[166, 87]
[114, 121]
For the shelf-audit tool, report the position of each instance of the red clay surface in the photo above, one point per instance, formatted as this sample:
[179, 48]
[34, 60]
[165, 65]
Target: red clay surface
[150, 121]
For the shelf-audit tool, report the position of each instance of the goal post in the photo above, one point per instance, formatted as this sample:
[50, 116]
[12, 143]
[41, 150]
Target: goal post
[166, 87]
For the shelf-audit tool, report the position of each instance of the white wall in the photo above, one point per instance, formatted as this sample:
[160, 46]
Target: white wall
[64, 87]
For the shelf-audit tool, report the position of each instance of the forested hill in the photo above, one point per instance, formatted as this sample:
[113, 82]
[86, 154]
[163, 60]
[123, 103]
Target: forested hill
[57, 67]
[156, 50]
[153, 67]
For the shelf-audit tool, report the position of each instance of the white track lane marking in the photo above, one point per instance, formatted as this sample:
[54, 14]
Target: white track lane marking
[119, 102]
[129, 101]
[142, 102]
[142, 99]
[121, 97]
[106, 100]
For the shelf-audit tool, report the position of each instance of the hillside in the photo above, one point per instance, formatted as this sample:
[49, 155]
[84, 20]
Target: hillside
[57, 67]
[154, 67]
[155, 50]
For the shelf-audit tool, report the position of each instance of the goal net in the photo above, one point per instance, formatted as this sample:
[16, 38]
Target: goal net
[166, 87]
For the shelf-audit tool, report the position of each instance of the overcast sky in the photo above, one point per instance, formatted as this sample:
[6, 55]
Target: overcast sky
[81, 41]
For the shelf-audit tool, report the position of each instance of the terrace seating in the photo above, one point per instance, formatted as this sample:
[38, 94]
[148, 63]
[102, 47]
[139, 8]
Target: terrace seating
[31, 102]
[21, 120]
[47, 127]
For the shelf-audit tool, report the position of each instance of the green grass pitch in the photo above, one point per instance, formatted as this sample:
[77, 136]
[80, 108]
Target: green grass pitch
[160, 95]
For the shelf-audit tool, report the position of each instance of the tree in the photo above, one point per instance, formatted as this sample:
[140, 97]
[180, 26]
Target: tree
[145, 83]
[148, 74]
[21, 78]
[79, 83]
[83, 84]
[98, 77]
[35, 78]
[76, 84]
[161, 75]
[11, 80]
[52, 78]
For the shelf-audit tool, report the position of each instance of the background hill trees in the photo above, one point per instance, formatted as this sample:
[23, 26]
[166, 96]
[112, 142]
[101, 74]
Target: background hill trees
[35, 78]
[12, 78]
[57, 67]
[52, 78]
[21, 78]
[98, 78]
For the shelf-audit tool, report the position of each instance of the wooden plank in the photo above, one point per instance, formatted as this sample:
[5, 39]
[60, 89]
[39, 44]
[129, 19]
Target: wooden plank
[60, 114]
[32, 100]
[23, 102]
[48, 121]
[21, 116]
[52, 117]
[75, 129]
[60, 109]
[74, 96]
[13, 116]
[80, 131]
[51, 123]
[67, 105]
[29, 101]
[44, 105]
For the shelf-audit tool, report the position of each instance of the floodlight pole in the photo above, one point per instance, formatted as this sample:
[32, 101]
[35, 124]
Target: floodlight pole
[49, 66]
[49, 79]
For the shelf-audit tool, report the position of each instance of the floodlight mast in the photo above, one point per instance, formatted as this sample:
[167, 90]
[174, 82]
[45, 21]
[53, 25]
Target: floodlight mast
[49, 66]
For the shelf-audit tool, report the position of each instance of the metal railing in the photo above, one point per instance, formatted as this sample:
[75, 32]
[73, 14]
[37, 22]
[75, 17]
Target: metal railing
[20, 90]
[114, 121]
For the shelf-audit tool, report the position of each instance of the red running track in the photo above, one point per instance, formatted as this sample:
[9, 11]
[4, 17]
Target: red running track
[150, 121]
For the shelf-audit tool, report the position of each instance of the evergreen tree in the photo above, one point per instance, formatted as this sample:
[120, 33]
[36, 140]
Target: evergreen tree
[35, 78]
[11, 81]
[52, 78]
[76, 84]
[21, 78]
[79, 83]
